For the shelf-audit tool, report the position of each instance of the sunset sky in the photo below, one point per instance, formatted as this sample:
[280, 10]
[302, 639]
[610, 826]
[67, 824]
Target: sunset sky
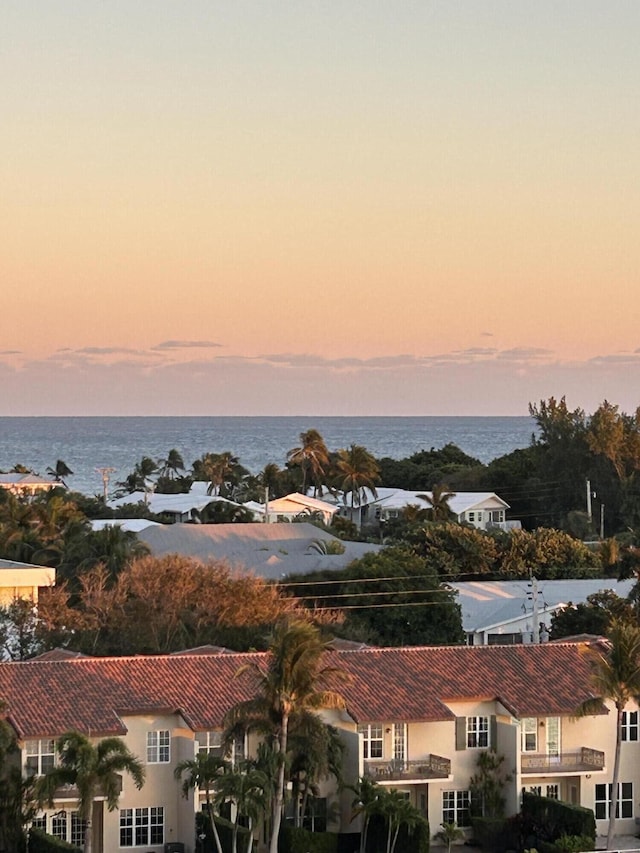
[318, 207]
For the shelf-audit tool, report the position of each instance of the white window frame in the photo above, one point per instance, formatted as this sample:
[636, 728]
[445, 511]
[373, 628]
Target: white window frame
[455, 807]
[400, 742]
[478, 732]
[159, 746]
[43, 750]
[553, 792]
[372, 740]
[77, 829]
[529, 734]
[602, 807]
[629, 726]
[144, 827]
[209, 743]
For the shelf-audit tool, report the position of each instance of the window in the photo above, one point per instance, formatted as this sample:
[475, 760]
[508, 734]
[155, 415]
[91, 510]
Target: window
[477, 732]
[625, 800]
[78, 828]
[553, 792]
[140, 827]
[40, 822]
[455, 807]
[158, 743]
[399, 742]
[40, 756]
[209, 742]
[629, 726]
[372, 742]
[59, 826]
[471, 517]
[529, 729]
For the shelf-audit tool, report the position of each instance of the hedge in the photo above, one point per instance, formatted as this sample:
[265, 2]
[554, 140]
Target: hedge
[295, 839]
[40, 842]
[491, 833]
[551, 819]
[417, 840]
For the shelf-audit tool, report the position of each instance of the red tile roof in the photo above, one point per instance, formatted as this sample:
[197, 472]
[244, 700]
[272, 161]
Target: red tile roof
[47, 697]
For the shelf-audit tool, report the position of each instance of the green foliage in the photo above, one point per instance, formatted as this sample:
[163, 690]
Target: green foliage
[568, 844]
[405, 579]
[591, 617]
[294, 839]
[551, 819]
[424, 469]
[40, 842]
[416, 838]
[491, 833]
[449, 833]
[486, 786]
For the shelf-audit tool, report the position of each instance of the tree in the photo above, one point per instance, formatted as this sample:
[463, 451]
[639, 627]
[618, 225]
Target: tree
[312, 457]
[438, 502]
[93, 769]
[203, 773]
[172, 465]
[397, 811]
[593, 616]
[316, 753]
[293, 685]
[247, 790]
[16, 793]
[60, 471]
[615, 677]
[449, 834]
[356, 470]
[365, 805]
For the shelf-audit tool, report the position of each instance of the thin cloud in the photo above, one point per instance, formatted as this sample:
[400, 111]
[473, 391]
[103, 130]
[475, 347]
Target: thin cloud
[173, 345]
[11, 352]
[106, 351]
[524, 354]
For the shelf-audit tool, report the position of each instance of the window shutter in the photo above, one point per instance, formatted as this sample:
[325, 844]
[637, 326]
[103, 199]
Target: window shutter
[461, 732]
[493, 732]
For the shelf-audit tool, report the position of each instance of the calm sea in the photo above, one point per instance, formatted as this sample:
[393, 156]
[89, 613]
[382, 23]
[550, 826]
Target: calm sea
[92, 442]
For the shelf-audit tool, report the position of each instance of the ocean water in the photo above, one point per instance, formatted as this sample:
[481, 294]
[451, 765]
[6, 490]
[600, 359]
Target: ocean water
[88, 443]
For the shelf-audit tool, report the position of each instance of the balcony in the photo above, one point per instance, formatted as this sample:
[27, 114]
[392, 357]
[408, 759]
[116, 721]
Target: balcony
[430, 767]
[584, 760]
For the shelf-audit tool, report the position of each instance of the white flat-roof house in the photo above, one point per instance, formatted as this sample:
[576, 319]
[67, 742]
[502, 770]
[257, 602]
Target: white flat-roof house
[415, 719]
[23, 580]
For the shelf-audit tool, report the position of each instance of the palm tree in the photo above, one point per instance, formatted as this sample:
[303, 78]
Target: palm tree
[93, 769]
[312, 457]
[615, 678]
[60, 471]
[357, 470]
[316, 753]
[365, 805]
[449, 833]
[247, 789]
[438, 502]
[172, 465]
[397, 811]
[203, 772]
[293, 685]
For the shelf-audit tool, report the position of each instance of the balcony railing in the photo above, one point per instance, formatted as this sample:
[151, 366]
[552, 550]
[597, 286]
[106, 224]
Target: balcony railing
[430, 767]
[583, 760]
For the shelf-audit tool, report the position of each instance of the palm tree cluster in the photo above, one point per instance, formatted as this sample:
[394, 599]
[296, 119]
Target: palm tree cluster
[386, 806]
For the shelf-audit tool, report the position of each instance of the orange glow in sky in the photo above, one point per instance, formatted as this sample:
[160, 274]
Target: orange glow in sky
[327, 207]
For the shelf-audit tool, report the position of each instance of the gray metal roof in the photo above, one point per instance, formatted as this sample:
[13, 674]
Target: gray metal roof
[269, 550]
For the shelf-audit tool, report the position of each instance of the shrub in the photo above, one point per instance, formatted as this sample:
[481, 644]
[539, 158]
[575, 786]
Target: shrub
[40, 842]
[491, 833]
[293, 839]
[551, 819]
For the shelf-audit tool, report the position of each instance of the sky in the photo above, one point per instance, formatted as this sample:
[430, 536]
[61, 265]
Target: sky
[338, 208]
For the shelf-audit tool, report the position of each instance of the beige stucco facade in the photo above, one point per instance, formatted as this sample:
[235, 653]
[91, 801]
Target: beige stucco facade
[22, 580]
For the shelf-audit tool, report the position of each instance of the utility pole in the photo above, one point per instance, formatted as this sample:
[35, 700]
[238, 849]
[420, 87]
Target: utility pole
[106, 476]
[589, 515]
[266, 504]
[533, 595]
[602, 521]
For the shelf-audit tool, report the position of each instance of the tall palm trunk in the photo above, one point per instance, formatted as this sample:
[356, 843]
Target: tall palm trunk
[614, 780]
[278, 802]
[88, 831]
[214, 828]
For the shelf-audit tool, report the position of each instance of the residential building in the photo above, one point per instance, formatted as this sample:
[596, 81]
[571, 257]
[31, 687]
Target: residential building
[292, 507]
[416, 719]
[28, 485]
[482, 510]
[23, 580]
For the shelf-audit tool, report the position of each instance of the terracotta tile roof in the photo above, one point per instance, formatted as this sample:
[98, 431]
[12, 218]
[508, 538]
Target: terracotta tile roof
[47, 697]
